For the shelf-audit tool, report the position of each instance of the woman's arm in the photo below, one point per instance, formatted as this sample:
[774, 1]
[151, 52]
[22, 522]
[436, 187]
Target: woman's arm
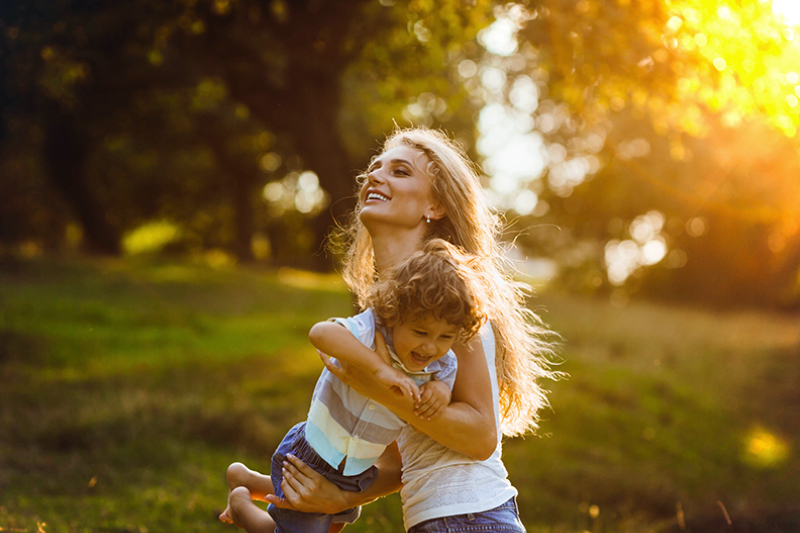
[467, 425]
[307, 491]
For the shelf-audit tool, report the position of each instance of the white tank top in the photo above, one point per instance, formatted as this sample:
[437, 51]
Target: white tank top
[439, 482]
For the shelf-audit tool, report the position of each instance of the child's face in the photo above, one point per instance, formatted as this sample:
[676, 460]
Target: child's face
[420, 342]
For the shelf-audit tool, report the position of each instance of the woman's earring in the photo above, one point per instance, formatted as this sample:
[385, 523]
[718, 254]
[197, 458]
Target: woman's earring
[428, 219]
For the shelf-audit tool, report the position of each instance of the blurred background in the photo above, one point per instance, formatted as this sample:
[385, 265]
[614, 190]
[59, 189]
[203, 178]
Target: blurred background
[169, 172]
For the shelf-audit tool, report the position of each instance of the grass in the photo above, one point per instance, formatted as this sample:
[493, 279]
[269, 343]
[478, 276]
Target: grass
[126, 389]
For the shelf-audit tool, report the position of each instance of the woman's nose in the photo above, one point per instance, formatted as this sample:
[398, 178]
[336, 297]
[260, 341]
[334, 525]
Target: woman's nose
[374, 177]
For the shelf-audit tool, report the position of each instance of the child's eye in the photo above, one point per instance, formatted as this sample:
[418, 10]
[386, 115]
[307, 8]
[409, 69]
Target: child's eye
[447, 337]
[420, 332]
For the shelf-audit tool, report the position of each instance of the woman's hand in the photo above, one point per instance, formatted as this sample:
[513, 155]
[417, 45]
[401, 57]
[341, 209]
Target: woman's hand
[306, 490]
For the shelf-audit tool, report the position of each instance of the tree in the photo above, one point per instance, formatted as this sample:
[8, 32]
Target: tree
[279, 67]
[643, 113]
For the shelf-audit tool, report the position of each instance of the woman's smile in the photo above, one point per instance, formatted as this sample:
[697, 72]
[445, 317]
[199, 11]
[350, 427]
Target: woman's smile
[372, 194]
[398, 190]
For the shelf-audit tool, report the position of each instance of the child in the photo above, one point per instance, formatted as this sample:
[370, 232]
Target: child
[421, 308]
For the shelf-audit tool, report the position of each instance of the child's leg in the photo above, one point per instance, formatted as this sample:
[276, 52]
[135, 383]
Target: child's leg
[241, 510]
[247, 515]
[257, 484]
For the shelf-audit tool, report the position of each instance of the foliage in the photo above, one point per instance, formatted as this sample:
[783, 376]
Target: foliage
[207, 114]
[177, 104]
[652, 108]
[670, 59]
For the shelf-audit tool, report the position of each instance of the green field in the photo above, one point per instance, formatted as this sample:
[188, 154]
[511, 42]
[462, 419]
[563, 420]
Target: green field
[126, 389]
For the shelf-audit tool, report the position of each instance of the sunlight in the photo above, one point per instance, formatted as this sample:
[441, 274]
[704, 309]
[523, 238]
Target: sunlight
[500, 38]
[789, 10]
[150, 237]
[764, 449]
[298, 191]
[646, 247]
[302, 279]
[749, 75]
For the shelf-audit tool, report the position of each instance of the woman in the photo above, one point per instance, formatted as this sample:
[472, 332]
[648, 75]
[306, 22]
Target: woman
[422, 186]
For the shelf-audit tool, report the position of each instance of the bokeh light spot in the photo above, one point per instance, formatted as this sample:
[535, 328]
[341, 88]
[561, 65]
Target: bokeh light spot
[273, 191]
[500, 38]
[525, 202]
[467, 68]
[270, 162]
[150, 237]
[674, 24]
[764, 449]
[700, 39]
[697, 226]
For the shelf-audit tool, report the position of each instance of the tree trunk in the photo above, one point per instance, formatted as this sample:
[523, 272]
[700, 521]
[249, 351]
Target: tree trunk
[65, 152]
[239, 183]
[319, 142]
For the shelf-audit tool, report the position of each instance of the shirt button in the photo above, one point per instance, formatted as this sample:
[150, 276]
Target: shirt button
[371, 406]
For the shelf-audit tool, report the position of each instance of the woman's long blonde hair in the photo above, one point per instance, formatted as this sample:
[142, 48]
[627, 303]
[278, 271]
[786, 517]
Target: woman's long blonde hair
[523, 348]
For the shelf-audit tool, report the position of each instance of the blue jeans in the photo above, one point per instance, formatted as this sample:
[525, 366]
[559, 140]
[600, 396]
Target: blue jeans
[290, 521]
[502, 519]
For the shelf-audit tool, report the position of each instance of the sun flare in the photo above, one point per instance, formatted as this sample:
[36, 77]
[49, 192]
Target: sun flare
[789, 10]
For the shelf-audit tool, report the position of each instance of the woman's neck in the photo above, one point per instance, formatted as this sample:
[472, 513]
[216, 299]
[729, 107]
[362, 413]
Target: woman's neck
[391, 248]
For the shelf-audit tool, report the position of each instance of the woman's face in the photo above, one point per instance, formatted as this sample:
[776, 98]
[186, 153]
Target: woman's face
[398, 190]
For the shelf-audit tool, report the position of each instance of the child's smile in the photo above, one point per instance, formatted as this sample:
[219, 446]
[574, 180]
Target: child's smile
[420, 342]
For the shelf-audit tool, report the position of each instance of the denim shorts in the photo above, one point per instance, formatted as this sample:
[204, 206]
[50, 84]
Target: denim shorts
[502, 519]
[290, 521]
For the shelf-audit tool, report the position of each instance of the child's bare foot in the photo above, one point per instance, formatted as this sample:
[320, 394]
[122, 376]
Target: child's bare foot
[226, 516]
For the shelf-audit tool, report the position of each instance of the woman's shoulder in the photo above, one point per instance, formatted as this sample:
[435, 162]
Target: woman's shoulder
[488, 342]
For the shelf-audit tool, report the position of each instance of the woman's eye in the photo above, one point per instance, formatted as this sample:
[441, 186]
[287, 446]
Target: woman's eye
[401, 172]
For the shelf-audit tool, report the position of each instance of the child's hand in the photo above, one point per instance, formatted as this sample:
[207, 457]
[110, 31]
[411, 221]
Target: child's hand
[435, 396]
[399, 383]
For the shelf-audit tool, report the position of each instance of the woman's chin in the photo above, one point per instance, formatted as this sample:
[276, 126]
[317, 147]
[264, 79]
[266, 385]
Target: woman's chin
[368, 214]
[374, 219]
[370, 219]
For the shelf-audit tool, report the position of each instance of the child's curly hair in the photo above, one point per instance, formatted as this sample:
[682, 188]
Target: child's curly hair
[438, 280]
